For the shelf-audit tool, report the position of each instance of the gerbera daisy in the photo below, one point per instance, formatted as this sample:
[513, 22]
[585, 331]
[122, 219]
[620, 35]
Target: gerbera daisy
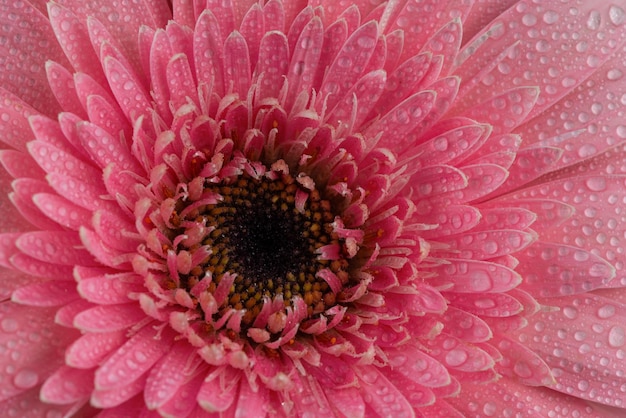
[291, 208]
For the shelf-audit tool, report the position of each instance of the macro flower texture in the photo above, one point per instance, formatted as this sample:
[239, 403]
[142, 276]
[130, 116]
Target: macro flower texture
[322, 208]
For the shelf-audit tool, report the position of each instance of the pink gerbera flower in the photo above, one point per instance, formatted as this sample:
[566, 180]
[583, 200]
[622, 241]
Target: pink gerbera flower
[281, 208]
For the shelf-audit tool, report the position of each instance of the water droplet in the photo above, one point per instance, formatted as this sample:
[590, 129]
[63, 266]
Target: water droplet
[570, 312]
[583, 385]
[344, 62]
[529, 19]
[616, 15]
[593, 22]
[550, 17]
[490, 409]
[9, 325]
[522, 369]
[593, 61]
[596, 184]
[606, 311]
[366, 42]
[456, 357]
[617, 337]
[614, 74]
[26, 379]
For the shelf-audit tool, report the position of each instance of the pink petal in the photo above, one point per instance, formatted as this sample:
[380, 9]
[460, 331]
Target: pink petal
[403, 81]
[115, 231]
[589, 199]
[420, 22]
[62, 211]
[25, 364]
[91, 349]
[253, 29]
[274, 16]
[573, 68]
[349, 63]
[396, 125]
[67, 385]
[169, 374]
[108, 117]
[453, 219]
[83, 193]
[446, 42]
[273, 62]
[38, 268]
[465, 326]
[22, 199]
[208, 42]
[252, 403]
[180, 80]
[57, 248]
[109, 317]
[110, 290]
[218, 394]
[18, 164]
[236, 65]
[506, 111]
[310, 399]
[418, 396]
[458, 355]
[52, 293]
[24, 74]
[133, 359]
[359, 101]
[588, 341]
[381, 395]
[183, 402]
[558, 270]
[118, 394]
[65, 315]
[106, 255]
[127, 89]
[484, 245]
[417, 366]
[491, 305]
[55, 160]
[28, 403]
[105, 149]
[522, 364]
[531, 163]
[62, 84]
[470, 276]
[509, 397]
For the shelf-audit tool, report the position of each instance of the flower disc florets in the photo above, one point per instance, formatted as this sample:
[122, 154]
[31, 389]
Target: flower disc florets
[267, 237]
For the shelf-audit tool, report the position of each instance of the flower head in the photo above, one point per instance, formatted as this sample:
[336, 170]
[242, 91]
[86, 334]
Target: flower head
[288, 208]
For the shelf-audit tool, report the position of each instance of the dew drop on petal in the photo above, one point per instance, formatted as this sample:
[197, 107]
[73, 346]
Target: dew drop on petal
[593, 22]
[523, 369]
[616, 15]
[529, 19]
[617, 337]
[490, 409]
[606, 311]
[614, 74]
[570, 312]
[26, 379]
[596, 184]
[9, 325]
[550, 17]
[456, 357]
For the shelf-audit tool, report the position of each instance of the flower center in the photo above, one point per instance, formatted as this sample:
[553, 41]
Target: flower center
[272, 245]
